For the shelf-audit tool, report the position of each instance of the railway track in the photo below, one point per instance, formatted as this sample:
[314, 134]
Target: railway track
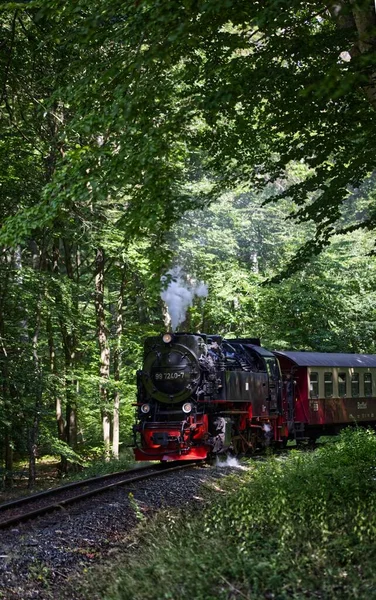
[31, 507]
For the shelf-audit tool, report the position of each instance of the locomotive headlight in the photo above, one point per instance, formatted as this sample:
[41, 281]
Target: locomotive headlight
[167, 338]
[145, 408]
[187, 407]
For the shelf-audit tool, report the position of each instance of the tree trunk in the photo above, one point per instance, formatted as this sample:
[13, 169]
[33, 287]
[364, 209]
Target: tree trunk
[33, 447]
[365, 21]
[34, 428]
[7, 400]
[117, 367]
[8, 441]
[361, 18]
[104, 368]
[70, 345]
[61, 433]
[8, 458]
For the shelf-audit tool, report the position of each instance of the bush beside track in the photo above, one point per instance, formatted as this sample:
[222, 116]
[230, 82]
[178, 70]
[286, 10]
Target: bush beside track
[301, 526]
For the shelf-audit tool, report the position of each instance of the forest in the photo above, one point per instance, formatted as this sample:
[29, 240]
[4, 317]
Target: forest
[216, 144]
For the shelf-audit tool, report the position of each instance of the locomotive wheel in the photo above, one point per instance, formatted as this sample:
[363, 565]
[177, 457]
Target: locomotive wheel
[237, 445]
[242, 444]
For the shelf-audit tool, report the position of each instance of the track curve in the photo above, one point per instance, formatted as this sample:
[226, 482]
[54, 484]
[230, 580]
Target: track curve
[30, 507]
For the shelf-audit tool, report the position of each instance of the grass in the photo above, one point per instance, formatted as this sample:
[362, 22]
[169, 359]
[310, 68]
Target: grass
[297, 527]
[100, 466]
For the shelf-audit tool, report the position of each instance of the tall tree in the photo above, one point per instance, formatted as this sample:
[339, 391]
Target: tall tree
[102, 332]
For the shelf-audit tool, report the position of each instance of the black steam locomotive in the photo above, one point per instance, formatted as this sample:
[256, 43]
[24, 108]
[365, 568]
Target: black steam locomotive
[200, 395]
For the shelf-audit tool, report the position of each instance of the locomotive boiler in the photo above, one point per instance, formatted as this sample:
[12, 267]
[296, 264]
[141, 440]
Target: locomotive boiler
[200, 395]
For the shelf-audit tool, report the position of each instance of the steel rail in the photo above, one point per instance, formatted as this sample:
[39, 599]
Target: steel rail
[157, 472]
[31, 497]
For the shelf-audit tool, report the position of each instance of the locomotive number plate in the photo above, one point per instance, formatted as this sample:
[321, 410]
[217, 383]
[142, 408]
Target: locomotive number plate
[174, 375]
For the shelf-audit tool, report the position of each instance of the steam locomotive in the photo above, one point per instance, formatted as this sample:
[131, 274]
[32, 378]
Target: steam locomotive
[201, 395]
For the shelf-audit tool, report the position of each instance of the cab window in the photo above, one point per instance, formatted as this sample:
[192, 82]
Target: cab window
[314, 385]
[342, 391]
[368, 384]
[355, 385]
[328, 385]
[231, 357]
[272, 368]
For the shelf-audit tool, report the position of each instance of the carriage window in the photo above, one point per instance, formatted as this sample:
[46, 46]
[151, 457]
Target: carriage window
[368, 384]
[342, 385]
[355, 385]
[314, 385]
[328, 385]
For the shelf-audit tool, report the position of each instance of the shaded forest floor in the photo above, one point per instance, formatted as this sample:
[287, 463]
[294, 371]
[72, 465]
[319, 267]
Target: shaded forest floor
[48, 474]
[47, 477]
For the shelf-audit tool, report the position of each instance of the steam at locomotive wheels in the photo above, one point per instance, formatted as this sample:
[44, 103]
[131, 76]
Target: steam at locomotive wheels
[201, 395]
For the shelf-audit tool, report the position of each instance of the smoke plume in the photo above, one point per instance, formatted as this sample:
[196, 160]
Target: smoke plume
[179, 295]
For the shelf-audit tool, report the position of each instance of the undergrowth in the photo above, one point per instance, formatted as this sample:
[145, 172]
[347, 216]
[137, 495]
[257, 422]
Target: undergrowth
[100, 466]
[294, 528]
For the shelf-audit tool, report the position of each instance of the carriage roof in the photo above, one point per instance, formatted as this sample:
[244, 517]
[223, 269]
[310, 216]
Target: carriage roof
[328, 359]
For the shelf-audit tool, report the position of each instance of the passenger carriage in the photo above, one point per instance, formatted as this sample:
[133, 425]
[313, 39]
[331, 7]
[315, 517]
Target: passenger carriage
[327, 391]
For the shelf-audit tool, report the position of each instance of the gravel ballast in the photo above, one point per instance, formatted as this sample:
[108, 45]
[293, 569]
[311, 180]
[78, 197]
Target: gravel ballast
[39, 559]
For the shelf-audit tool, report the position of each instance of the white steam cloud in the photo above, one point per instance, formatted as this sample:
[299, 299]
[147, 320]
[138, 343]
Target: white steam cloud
[228, 461]
[179, 295]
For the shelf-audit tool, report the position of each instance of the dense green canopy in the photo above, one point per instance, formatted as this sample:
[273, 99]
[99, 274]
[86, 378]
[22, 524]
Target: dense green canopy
[246, 87]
